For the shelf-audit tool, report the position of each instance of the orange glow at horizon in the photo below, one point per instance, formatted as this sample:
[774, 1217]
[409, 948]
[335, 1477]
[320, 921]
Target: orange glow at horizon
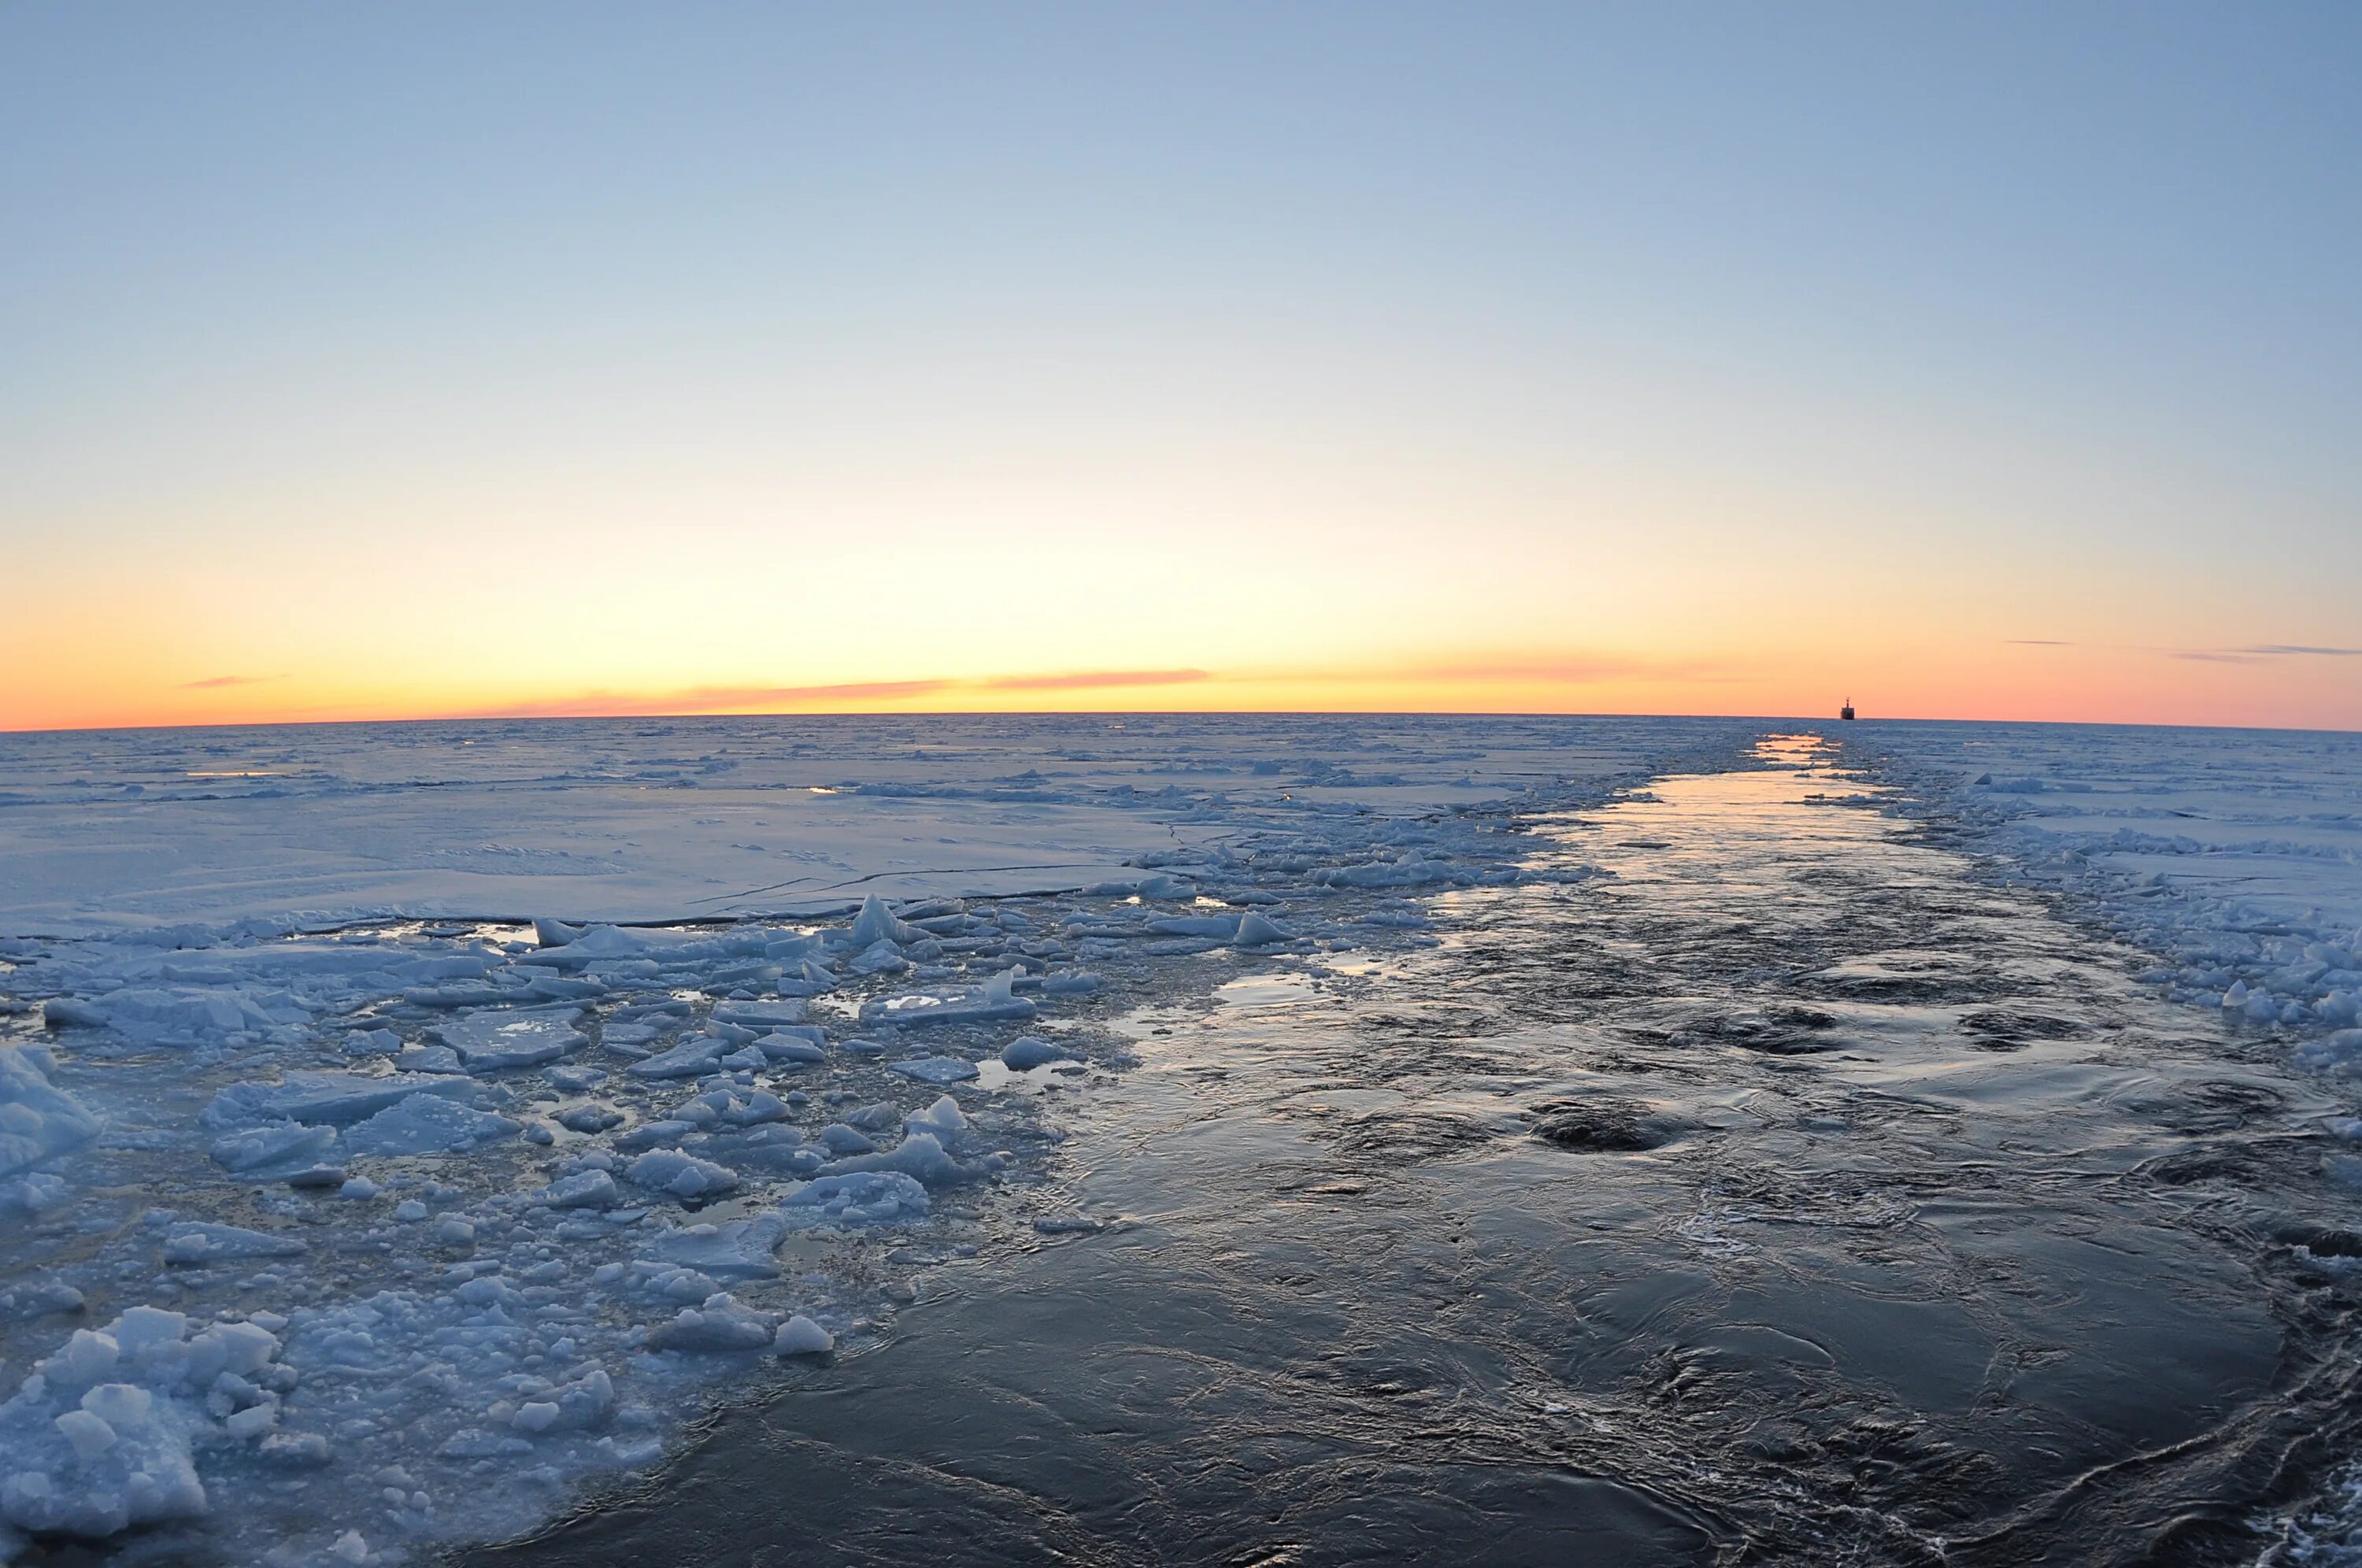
[2241, 689]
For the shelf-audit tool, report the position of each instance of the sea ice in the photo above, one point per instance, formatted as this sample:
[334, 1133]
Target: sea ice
[488, 1042]
[935, 1069]
[38, 1119]
[425, 1124]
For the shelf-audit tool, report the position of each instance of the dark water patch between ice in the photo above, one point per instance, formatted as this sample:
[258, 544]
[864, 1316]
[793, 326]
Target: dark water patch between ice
[1400, 1271]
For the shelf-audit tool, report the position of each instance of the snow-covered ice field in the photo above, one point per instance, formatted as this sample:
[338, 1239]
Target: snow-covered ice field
[404, 1126]
[2234, 855]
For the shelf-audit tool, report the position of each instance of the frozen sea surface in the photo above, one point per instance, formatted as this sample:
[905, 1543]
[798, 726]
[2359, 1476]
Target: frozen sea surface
[1467, 1128]
[650, 819]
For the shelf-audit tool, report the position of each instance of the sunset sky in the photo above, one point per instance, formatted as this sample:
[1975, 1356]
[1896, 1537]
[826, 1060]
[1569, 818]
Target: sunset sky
[1986, 361]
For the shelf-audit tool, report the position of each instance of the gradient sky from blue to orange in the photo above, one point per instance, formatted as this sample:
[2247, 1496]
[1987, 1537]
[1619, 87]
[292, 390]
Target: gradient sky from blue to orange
[1992, 361]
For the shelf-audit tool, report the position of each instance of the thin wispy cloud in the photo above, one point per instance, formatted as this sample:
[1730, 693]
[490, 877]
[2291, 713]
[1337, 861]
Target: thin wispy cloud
[2256, 653]
[1090, 679]
[2038, 642]
[1554, 669]
[1563, 671]
[740, 699]
[213, 682]
[712, 699]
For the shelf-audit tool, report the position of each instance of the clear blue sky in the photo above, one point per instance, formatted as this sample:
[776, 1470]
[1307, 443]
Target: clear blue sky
[1290, 344]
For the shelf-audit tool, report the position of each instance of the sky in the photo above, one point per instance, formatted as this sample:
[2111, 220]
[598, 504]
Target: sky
[1977, 362]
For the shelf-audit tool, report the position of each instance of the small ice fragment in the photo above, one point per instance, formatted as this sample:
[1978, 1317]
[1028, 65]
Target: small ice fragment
[1256, 931]
[583, 1189]
[683, 1176]
[935, 1069]
[800, 1336]
[251, 1422]
[197, 1244]
[722, 1324]
[942, 1118]
[89, 1435]
[1026, 1052]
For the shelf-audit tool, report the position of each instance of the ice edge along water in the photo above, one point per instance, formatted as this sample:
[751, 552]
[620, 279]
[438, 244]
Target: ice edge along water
[2234, 858]
[461, 1215]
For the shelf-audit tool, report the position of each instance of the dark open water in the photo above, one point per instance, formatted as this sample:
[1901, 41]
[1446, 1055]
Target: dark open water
[1790, 1197]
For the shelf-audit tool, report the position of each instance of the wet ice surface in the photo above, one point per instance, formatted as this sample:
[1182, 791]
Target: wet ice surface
[1793, 1195]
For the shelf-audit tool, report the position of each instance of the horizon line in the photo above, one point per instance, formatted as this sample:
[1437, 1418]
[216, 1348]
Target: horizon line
[1156, 713]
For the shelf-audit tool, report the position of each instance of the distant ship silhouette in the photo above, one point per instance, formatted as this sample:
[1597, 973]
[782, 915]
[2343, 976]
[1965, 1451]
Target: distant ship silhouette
[1846, 711]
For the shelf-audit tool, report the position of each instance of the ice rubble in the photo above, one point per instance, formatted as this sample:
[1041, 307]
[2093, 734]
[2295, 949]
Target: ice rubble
[102, 1435]
[38, 1119]
[2235, 859]
[507, 1201]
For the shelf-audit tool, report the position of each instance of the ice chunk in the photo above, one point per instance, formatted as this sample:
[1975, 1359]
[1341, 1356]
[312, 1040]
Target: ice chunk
[935, 1069]
[686, 1060]
[488, 1042]
[839, 1139]
[150, 1015]
[759, 1014]
[197, 1243]
[1025, 1051]
[557, 933]
[37, 1118]
[867, 1198]
[334, 1099]
[584, 1402]
[880, 957]
[575, 1080]
[1410, 869]
[800, 1336]
[943, 1119]
[589, 1118]
[104, 1438]
[583, 1189]
[1221, 927]
[721, 1324]
[1256, 931]
[919, 1156]
[425, 1124]
[279, 1142]
[89, 1434]
[877, 923]
[739, 1250]
[683, 1176]
[37, 1298]
[996, 998]
[780, 1045]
